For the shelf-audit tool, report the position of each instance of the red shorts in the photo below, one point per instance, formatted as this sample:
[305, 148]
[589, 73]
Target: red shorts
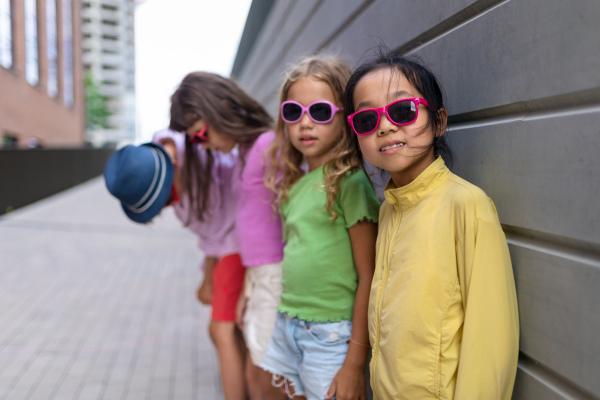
[228, 280]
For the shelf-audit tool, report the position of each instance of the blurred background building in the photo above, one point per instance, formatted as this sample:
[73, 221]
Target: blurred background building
[43, 97]
[109, 64]
[41, 77]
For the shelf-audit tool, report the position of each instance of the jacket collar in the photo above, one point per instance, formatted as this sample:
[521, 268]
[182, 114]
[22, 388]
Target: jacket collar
[407, 197]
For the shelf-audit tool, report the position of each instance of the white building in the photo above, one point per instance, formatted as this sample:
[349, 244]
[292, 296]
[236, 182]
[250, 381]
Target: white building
[109, 55]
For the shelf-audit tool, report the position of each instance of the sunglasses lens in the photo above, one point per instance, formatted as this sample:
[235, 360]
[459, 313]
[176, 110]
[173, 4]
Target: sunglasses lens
[403, 112]
[320, 112]
[198, 137]
[291, 112]
[365, 122]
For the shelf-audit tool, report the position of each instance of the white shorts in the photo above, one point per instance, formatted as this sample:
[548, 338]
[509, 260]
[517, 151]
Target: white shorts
[263, 290]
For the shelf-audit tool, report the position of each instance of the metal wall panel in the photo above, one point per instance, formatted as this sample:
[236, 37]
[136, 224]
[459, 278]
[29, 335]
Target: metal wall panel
[523, 90]
[296, 19]
[311, 37]
[558, 298]
[271, 28]
[541, 173]
[521, 51]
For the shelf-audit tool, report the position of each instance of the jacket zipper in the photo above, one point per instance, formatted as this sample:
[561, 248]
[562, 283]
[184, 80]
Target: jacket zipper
[382, 284]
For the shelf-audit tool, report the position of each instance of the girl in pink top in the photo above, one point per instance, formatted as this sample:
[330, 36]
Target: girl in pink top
[216, 234]
[215, 112]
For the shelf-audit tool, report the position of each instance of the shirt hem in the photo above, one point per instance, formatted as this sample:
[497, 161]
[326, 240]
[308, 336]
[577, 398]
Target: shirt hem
[258, 263]
[314, 318]
[366, 218]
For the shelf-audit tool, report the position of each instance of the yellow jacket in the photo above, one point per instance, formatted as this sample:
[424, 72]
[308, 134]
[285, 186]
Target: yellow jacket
[443, 317]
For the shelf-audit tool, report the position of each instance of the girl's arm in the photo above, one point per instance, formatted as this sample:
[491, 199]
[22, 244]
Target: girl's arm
[349, 382]
[490, 339]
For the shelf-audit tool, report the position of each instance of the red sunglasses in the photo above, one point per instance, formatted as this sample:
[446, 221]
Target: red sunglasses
[200, 136]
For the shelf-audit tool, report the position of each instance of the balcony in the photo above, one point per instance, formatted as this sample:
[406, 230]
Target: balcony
[110, 15]
[112, 60]
[110, 30]
[111, 90]
[112, 75]
[110, 45]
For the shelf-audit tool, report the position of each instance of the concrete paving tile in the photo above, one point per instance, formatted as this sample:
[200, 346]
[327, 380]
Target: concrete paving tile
[17, 394]
[90, 392]
[112, 392]
[106, 304]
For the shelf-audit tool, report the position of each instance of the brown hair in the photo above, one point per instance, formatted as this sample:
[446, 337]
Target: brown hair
[283, 168]
[222, 104]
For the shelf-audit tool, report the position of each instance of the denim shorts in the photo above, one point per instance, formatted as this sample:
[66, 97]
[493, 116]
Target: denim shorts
[305, 356]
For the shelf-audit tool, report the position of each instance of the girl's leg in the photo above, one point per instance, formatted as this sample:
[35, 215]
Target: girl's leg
[263, 290]
[228, 278]
[231, 358]
[271, 392]
[259, 383]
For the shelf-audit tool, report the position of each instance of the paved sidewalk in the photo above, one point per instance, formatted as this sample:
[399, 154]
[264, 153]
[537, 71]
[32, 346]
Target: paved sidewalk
[93, 306]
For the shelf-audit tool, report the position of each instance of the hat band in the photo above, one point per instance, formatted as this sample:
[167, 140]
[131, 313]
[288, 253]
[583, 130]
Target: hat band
[156, 188]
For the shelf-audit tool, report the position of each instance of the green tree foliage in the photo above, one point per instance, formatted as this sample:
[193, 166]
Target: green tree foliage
[96, 110]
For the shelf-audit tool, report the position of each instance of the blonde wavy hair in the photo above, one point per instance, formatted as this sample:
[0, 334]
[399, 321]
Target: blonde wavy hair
[284, 160]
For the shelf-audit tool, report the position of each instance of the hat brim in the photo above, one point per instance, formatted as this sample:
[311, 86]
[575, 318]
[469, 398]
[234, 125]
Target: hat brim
[161, 199]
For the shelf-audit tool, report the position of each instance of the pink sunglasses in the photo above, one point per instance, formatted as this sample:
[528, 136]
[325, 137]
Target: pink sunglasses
[400, 112]
[320, 112]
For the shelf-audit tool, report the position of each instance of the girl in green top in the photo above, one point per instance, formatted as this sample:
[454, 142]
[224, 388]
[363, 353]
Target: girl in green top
[320, 342]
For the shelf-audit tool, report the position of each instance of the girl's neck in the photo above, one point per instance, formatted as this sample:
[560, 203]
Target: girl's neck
[317, 162]
[407, 176]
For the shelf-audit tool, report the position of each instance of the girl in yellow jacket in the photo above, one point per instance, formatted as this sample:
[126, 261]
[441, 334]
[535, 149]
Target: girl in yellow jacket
[443, 319]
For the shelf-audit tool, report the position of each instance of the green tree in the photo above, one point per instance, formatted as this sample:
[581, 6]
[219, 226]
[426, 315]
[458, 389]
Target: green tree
[96, 110]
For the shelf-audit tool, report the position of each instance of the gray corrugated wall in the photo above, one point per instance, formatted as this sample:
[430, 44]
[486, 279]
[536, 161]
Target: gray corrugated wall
[522, 79]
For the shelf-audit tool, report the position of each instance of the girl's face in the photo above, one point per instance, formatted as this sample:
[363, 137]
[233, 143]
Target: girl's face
[314, 140]
[217, 140]
[403, 150]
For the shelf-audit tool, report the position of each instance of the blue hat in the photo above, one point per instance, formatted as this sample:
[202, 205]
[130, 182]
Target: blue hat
[141, 178]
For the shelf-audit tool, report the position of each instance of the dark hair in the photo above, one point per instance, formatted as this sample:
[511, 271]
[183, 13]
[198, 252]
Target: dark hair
[421, 78]
[222, 104]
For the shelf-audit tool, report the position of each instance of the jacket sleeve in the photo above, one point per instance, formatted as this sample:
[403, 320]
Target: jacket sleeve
[490, 343]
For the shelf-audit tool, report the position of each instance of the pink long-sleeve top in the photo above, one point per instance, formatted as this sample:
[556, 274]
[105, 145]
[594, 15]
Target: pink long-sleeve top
[258, 225]
[217, 236]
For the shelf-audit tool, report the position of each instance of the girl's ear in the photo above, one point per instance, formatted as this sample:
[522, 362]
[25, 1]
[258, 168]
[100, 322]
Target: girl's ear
[441, 117]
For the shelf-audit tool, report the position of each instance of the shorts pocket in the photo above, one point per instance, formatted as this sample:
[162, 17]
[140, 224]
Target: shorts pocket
[330, 333]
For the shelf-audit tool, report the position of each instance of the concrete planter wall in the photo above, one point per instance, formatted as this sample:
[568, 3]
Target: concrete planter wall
[30, 175]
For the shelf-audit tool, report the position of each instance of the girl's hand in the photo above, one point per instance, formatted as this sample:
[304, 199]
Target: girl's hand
[240, 309]
[348, 384]
[204, 292]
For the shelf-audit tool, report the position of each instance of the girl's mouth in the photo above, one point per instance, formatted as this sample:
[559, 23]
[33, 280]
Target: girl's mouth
[391, 148]
[308, 139]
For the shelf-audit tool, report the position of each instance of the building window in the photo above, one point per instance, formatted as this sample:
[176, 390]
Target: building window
[6, 58]
[31, 43]
[67, 30]
[51, 48]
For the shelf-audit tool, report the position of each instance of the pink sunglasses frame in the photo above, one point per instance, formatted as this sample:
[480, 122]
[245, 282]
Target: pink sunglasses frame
[382, 110]
[200, 136]
[334, 110]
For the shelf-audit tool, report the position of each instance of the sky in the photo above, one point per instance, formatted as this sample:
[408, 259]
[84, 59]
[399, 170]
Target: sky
[175, 37]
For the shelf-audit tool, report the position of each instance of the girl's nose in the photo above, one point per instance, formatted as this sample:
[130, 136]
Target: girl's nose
[385, 126]
[305, 121]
